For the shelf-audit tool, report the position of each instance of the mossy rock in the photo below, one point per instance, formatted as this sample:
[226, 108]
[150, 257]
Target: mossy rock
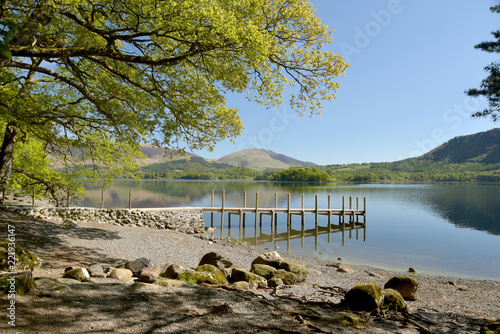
[491, 328]
[24, 260]
[364, 297]
[288, 278]
[241, 285]
[298, 269]
[80, 274]
[275, 282]
[170, 282]
[394, 301]
[17, 283]
[351, 320]
[254, 280]
[263, 270]
[405, 285]
[206, 273]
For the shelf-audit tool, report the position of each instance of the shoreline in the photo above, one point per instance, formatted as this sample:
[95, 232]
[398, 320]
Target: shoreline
[433, 272]
[442, 301]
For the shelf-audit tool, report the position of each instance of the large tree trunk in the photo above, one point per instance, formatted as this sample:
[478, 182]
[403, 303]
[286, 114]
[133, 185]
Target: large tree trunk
[7, 155]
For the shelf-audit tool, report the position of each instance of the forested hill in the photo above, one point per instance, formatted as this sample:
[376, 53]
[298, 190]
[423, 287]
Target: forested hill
[481, 147]
[473, 157]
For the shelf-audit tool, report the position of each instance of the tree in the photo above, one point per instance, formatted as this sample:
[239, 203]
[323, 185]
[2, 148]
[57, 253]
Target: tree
[89, 77]
[490, 87]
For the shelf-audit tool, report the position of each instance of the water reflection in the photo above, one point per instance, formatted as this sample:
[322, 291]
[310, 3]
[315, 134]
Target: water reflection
[472, 206]
[410, 225]
[466, 206]
[257, 231]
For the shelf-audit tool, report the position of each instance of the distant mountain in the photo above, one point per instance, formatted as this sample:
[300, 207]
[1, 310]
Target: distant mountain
[160, 155]
[483, 147]
[262, 159]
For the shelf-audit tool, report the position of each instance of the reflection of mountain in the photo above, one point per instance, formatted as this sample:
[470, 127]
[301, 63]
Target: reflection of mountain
[475, 207]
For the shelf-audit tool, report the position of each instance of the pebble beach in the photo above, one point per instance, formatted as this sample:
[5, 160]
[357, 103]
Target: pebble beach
[444, 304]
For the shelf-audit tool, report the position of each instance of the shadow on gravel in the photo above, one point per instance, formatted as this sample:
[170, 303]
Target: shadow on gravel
[46, 239]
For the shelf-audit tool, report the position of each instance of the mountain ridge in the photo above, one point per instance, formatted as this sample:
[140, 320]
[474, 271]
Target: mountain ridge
[481, 147]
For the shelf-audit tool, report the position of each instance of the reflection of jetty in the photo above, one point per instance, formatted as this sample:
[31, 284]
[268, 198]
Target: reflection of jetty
[351, 213]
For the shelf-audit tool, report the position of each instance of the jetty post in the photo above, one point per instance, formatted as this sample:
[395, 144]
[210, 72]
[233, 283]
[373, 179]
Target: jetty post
[329, 218]
[256, 215]
[222, 213]
[343, 220]
[212, 213]
[364, 219]
[316, 230]
[351, 218]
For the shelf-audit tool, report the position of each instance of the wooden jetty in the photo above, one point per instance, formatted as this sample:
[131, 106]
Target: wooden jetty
[352, 213]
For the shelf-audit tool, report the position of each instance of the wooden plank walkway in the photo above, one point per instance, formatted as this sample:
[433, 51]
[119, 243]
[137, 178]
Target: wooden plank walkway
[352, 213]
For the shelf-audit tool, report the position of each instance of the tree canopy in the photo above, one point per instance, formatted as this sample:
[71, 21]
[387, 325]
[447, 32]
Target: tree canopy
[490, 86]
[92, 79]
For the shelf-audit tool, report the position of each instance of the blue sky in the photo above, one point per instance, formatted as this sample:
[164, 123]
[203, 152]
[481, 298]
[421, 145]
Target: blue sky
[403, 95]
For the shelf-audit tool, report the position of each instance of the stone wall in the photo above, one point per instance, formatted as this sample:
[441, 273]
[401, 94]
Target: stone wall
[183, 220]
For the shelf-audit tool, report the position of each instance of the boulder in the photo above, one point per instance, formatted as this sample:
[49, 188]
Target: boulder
[394, 301]
[364, 297]
[149, 274]
[263, 270]
[24, 260]
[80, 274]
[491, 328]
[241, 285]
[405, 285]
[298, 269]
[172, 271]
[69, 281]
[96, 270]
[45, 283]
[218, 260]
[121, 273]
[170, 282]
[275, 282]
[17, 283]
[137, 265]
[254, 280]
[272, 259]
[206, 273]
[286, 277]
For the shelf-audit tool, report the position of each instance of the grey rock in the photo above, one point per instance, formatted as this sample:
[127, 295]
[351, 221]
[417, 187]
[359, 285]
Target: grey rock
[137, 265]
[172, 271]
[272, 259]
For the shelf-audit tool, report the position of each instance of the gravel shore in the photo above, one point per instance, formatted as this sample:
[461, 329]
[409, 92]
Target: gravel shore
[444, 305]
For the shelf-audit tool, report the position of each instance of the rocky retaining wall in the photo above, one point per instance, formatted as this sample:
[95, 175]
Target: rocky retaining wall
[183, 220]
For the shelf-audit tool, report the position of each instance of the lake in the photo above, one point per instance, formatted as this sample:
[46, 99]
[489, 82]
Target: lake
[440, 229]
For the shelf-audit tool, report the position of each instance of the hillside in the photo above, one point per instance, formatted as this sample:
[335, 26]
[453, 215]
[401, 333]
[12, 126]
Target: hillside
[262, 159]
[189, 163]
[474, 157]
[483, 147]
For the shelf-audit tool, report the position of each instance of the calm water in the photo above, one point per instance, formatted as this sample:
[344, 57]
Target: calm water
[450, 230]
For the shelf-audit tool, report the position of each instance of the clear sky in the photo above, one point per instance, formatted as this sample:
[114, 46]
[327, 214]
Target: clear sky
[403, 95]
